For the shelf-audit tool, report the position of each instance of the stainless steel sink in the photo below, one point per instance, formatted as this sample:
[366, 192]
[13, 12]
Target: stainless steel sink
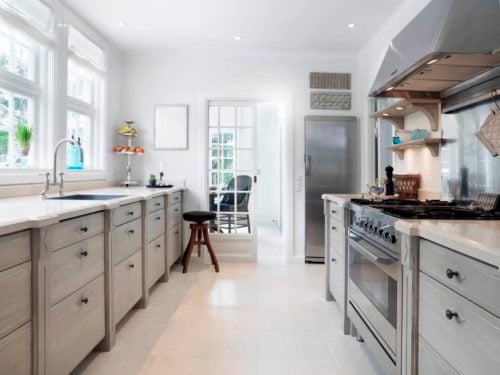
[88, 197]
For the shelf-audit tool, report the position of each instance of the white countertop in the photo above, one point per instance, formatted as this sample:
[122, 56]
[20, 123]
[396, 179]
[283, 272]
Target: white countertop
[22, 213]
[477, 239]
[341, 199]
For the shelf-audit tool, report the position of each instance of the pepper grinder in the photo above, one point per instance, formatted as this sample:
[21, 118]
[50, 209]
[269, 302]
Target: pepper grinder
[389, 184]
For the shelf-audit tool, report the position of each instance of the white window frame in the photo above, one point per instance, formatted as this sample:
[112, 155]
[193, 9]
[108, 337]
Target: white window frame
[54, 107]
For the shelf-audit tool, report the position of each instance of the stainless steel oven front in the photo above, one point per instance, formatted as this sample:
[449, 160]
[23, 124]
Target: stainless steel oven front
[375, 297]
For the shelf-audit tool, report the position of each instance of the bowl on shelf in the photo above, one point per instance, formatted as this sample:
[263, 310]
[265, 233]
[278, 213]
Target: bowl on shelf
[418, 134]
[404, 135]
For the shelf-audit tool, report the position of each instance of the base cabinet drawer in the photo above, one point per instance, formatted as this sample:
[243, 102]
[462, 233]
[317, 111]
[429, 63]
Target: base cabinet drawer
[336, 277]
[15, 249]
[474, 280]
[174, 198]
[124, 214]
[15, 297]
[75, 326]
[174, 245]
[336, 212]
[127, 285]
[430, 362]
[155, 204]
[72, 231]
[126, 240]
[174, 215]
[15, 352]
[337, 237]
[156, 225]
[156, 260]
[465, 335]
[75, 266]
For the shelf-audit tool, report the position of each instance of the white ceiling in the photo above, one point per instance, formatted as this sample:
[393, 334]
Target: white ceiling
[208, 26]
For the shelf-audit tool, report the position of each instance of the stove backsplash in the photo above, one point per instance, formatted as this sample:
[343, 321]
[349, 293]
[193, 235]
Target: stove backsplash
[467, 167]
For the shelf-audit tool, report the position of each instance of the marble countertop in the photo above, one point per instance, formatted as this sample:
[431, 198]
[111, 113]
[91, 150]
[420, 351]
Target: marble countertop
[477, 239]
[341, 199]
[22, 213]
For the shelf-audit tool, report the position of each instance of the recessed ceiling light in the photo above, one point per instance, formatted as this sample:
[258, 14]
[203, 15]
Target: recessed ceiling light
[385, 114]
[351, 25]
[400, 108]
[432, 61]
[390, 88]
[121, 24]
[237, 37]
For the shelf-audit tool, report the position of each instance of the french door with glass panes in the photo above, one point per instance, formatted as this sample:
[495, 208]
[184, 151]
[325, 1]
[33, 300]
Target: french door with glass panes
[231, 177]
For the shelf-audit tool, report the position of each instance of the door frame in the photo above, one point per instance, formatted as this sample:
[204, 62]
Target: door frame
[287, 181]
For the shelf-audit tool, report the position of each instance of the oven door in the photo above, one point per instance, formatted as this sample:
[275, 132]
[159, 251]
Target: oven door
[373, 290]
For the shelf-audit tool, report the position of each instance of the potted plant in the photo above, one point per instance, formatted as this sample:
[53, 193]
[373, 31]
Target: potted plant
[24, 135]
[152, 180]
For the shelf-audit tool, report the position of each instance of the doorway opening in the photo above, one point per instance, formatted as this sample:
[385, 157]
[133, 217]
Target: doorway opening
[247, 143]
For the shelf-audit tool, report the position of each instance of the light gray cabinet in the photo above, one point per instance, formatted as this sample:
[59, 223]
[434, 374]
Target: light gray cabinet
[155, 264]
[457, 312]
[156, 260]
[127, 285]
[174, 228]
[174, 245]
[430, 362]
[15, 304]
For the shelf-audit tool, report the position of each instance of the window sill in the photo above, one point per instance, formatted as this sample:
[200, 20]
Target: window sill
[32, 176]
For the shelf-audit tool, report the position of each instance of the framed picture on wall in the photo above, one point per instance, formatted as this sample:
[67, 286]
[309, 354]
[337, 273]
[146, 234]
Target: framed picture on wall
[171, 127]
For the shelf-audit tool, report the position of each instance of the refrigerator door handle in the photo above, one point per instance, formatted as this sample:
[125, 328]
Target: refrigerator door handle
[307, 160]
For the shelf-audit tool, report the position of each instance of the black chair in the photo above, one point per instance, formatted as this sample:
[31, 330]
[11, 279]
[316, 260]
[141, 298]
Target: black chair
[235, 203]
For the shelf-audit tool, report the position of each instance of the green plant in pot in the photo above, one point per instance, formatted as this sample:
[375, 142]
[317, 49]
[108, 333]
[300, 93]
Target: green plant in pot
[152, 180]
[24, 136]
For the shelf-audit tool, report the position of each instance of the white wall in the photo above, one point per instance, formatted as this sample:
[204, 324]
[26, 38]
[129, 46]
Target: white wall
[161, 79]
[369, 60]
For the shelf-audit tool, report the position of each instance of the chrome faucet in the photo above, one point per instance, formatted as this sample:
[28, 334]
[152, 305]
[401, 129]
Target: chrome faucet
[54, 171]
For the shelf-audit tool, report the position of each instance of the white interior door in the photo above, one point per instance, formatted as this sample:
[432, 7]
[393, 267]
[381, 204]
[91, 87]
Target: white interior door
[231, 173]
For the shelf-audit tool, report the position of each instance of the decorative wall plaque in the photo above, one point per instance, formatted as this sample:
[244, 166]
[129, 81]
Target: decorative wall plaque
[338, 81]
[330, 100]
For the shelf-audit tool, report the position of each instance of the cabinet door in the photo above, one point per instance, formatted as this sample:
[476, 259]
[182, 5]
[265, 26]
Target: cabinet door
[156, 260]
[430, 362]
[15, 352]
[75, 326]
[174, 245]
[337, 274]
[127, 285]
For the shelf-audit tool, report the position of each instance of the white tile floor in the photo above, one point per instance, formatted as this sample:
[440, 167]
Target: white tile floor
[251, 318]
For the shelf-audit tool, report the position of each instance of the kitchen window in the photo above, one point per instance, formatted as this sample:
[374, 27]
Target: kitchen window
[26, 55]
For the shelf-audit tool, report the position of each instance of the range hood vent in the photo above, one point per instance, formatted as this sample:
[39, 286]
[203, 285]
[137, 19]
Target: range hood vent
[447, 43]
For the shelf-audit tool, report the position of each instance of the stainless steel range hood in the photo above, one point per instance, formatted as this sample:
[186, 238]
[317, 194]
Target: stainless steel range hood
[447, 43]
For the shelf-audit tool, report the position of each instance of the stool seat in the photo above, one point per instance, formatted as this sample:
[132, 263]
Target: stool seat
[199, 217]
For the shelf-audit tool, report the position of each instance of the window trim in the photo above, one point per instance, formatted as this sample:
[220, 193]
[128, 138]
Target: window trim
[54, 107]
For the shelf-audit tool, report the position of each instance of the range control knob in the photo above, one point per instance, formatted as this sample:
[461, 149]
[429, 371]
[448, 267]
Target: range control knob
[381, 233]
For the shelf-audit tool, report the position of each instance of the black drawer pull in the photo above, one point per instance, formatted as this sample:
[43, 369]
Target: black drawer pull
[131, 213]
[176, 198]
[85, 300]
[157, 204]
[177, 232]
[334, 228]
[84, 253]
[176, 210]
[334, 260]
[158, 245]
[131, 231]
[84, 229]
[131, 265]
[334, 212]
[158, 218]
[450, 314]
[450, 273]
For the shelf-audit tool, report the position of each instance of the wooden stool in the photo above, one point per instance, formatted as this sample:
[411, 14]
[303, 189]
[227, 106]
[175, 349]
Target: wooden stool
[199, 229]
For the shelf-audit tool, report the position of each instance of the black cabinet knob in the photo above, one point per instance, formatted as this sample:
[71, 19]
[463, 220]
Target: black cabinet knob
[334, 212]
[157, 204]
[450, 314]
[334, 228]
[131, 231]
[158, 245]
[85, 300]
[84, 253]
[131, 213]
[84, 229]
[158, 218]
[334, 260]
[451, 274]
[131, 265]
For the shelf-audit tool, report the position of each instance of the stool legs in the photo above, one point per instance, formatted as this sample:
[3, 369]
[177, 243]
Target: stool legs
[197, 231]
[210, 249]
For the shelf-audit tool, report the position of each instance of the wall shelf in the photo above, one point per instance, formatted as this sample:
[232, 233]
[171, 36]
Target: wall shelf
[396, 113]
[431, 143]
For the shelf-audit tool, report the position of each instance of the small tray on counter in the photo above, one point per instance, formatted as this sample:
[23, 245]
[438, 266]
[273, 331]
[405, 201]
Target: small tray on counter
[159, 186]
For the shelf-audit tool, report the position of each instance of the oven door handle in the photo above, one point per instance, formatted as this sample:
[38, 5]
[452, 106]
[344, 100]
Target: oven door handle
[371, 252]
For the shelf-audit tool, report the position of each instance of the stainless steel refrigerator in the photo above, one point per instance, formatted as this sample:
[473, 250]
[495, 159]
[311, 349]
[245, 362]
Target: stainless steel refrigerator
[331, 166]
